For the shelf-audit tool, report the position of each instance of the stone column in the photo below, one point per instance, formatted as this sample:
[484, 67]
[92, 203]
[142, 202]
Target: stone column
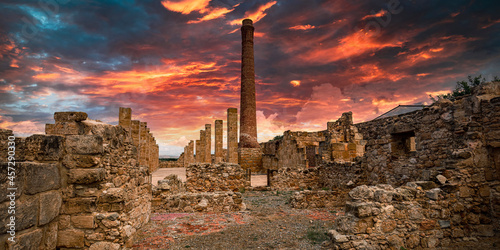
[203, 140]
[232, 135]
[142, 143]
[190, 156]
[198, 151]
[125, 118]
[208, 143]
[248, 118]
[218, 141]
[134, 130]
[185, 158]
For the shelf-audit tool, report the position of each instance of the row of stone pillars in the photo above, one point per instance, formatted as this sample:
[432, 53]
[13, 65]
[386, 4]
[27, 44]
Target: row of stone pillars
[142, 138]
[200, 151]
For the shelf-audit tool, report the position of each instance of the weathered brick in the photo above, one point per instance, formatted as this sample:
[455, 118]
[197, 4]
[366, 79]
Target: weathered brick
[83, 221]
[70, 238]
[84, 144]
[86, 176]
[70, 116]
[41, 177]
[50, 205]
[27, 240]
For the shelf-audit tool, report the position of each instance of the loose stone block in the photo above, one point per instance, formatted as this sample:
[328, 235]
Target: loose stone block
[41, 177]
[71, 238]
[50, 205]
[70, 116]
[232, 135]
[84, 144]
[86, 176]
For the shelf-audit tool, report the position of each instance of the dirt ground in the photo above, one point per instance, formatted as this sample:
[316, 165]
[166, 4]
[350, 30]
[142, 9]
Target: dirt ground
[269, 223]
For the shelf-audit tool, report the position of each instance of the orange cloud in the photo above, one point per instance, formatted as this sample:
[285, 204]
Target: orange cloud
[255, 15]
[46, 76]
[351, 45]
[185, 6]
[381, 13]
[295, 83]
[302, 27]
[213, 14]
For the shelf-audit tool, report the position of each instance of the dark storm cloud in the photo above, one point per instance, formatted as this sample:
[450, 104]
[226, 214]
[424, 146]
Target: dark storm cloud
[96, 56]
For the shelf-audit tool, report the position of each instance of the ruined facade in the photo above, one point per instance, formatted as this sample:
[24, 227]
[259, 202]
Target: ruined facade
[81, 185]
[340, 142]
[445, 158]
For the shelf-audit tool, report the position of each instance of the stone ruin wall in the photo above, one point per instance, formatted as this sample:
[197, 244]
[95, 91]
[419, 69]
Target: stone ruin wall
[341, 142]
[455, 145]
[419, 214]
[79, 186]
[216, 177]
[208, 188]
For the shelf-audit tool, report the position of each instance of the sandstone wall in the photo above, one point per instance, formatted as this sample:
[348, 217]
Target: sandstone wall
[35, 193]
[340, 142]
[80, 186]
[200, 202]
[316, 199]
[417, 215]
[215, 177]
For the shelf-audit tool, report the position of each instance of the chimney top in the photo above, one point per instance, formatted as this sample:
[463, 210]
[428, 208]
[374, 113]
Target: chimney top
[247, 22]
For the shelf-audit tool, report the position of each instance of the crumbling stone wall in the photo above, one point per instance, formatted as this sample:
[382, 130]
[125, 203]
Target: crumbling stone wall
[295, 179]
[316, 199]
[418, 215]
[80, 186]
[215, 177]
[35, 194]
[460, 140]
[200, 202]
[340, 142]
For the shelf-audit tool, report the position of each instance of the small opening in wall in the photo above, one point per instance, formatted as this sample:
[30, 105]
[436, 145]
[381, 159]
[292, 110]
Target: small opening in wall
[403, 143]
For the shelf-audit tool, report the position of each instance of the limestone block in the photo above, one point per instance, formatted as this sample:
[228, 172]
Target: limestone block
[41, 177]
[70, 238]
[49, 240]
[70, 116]
[362, 192]
[50, 205]
[27, 240]
[66, 128]
[84, 144]
[359, 209]
[105, 246]
[26, 214]
[42, 148]
[80, 161]
[112, 195]
[83, 221]
[5, 182]
[79, 205]
[86, 176]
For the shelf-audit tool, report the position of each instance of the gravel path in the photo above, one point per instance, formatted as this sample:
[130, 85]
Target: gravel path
[269, 223]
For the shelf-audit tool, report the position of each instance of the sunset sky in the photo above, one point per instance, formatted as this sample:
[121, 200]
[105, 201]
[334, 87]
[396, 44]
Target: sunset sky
[176, 63]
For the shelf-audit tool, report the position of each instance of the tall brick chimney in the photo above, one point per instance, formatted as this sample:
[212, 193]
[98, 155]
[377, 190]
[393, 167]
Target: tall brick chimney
[248, 118]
